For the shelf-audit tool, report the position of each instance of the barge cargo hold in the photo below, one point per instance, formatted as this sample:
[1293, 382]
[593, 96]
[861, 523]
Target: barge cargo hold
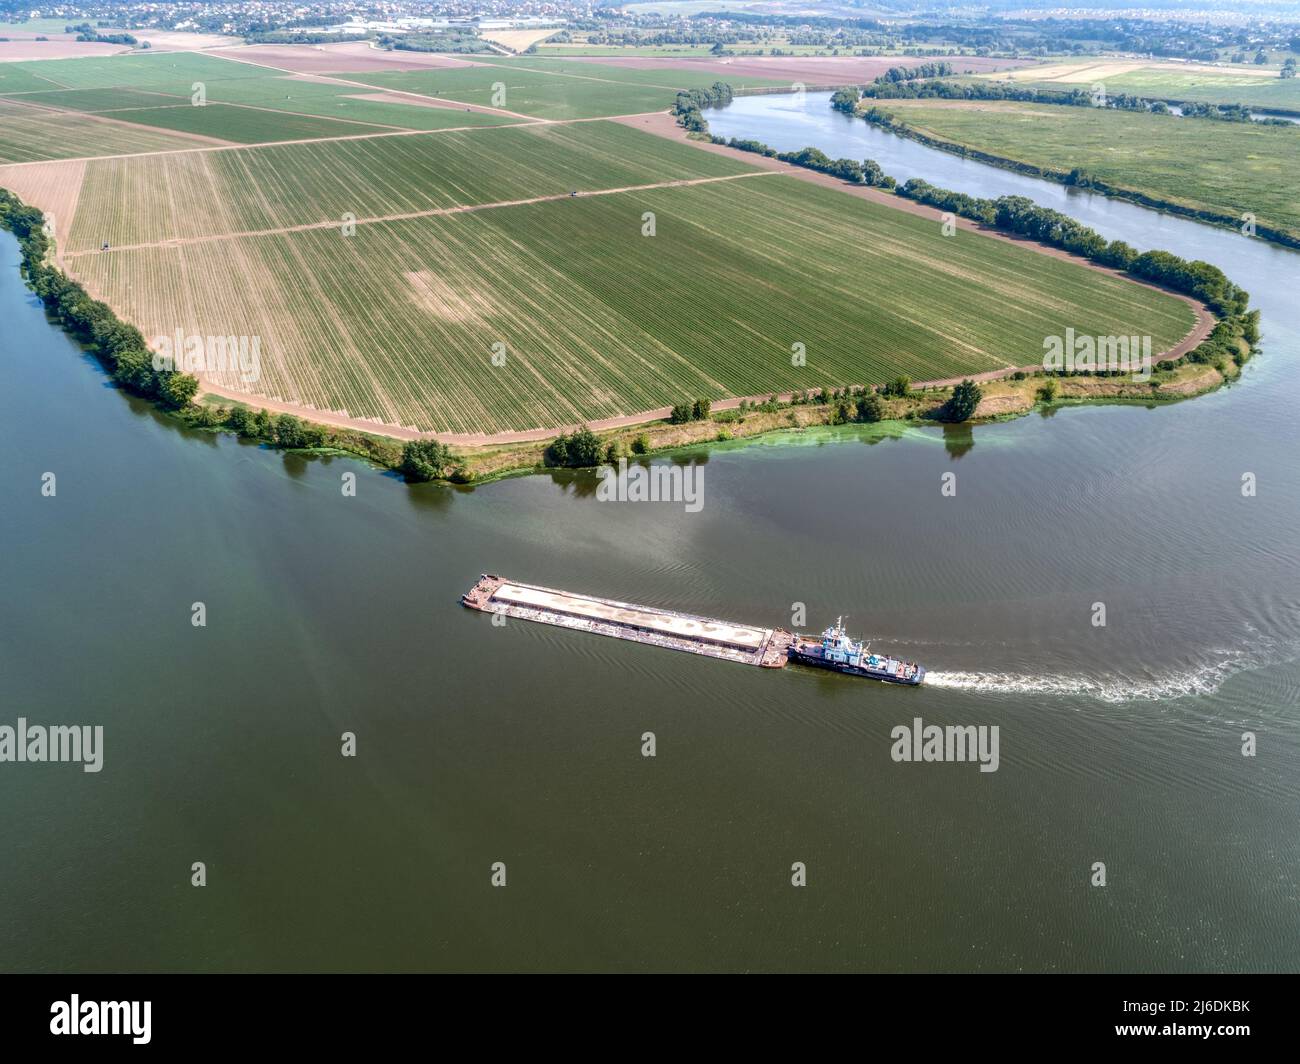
[765, 647]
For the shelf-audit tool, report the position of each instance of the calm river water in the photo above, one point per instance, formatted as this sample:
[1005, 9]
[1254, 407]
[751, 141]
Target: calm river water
[522, 744]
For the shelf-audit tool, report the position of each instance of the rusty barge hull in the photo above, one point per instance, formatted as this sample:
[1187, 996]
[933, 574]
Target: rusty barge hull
[744, 644]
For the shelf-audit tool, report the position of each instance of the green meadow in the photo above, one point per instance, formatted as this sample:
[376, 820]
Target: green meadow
[1229, 168]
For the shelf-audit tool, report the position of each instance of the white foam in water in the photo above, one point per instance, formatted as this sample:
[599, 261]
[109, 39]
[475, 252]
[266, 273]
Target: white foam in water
[1204, 680]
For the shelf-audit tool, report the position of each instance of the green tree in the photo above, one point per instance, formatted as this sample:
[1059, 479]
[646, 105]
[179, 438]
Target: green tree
[700, 410]
[177, 390]
[241, 420]
[965, 399]
[424, 459]
[288, 431]
[641, 444]
[134, 372]
[1047, 393]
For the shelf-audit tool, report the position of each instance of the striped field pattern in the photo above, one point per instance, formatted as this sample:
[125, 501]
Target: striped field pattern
[397, 322]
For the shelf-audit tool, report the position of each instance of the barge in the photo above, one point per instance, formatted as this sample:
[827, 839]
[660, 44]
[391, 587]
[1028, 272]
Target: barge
[769, 648]
[765, 647]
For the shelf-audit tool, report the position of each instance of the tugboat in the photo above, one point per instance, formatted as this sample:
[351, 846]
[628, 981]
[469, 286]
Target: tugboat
[837, 651]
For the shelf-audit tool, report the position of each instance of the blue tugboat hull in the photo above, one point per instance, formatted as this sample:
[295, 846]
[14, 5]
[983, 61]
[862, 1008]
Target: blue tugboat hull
[818, 662]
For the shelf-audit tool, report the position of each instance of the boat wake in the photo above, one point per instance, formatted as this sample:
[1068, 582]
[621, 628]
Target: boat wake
[1204, 680]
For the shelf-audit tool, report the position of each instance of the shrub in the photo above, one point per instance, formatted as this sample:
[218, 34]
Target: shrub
[870, 408]
[577, 451]
[423, 459]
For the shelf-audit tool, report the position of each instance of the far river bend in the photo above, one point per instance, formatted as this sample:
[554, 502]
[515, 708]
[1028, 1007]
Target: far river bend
[522, 744]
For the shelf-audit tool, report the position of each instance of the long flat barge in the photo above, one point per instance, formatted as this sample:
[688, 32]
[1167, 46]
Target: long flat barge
[766, 647]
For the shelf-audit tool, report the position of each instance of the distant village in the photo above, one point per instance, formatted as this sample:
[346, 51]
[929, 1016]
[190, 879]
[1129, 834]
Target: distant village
[244, 17]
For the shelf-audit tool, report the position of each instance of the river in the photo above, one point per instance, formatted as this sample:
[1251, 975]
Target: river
[327, 613]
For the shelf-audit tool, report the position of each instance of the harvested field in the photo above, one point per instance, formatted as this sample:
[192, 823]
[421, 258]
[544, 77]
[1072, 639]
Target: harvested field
[517, 40]
[1254, 86]
[1087, 71]
[397, 323]
[58, 48]
[172, 41]
[53, 188]
[337, 58]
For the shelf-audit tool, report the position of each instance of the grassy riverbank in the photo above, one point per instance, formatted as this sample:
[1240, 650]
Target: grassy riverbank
[1002, 399]
[1213, 171]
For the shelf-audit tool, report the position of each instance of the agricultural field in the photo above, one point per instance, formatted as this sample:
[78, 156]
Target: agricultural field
[22, 77]
[1254, 86]
[28, 134]
[397, 322]
[196, 194]
[347, 101]
[97, 100]
[241, 125]
[289, 95]
[173, 72]
[555, 89]
[647, 51]
[1239, 167]
[517, 40]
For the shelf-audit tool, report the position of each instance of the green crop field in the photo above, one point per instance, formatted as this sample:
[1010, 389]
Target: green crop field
[98, 100]
[397, 322]
[193, 194]
[554, 88]
[21, 77]
[173, 72]
[1231, 168]
[251, 110]
[28, 134]
[242, 125]
[343, 101]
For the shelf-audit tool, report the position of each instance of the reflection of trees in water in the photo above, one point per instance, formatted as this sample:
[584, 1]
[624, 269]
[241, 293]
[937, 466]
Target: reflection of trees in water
[428, 496]
[958, 439]
[582, 483]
